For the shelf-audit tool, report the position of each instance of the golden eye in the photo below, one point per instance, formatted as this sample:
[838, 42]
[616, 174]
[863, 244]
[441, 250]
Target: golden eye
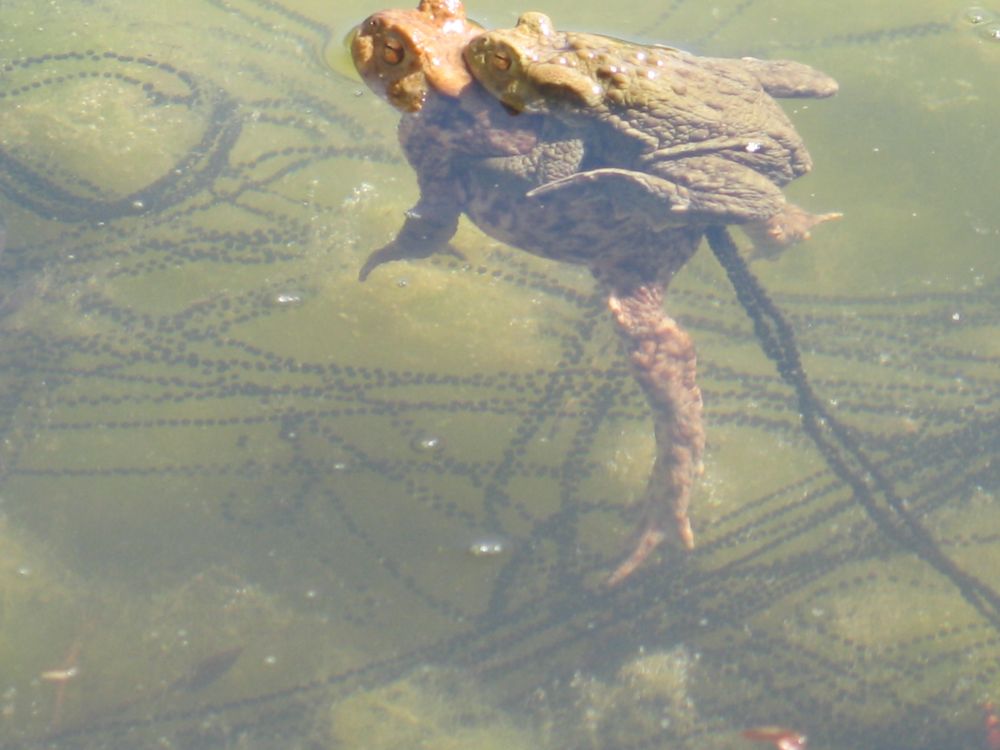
[501, 61]
[392, 52]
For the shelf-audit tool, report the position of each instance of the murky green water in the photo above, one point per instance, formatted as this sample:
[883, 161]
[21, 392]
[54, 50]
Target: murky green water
[239, 489]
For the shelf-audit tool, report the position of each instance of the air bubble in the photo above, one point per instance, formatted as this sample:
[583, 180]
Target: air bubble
[977, 15]
[284, 299]
[989, 32]
[427, 444]
[488, 546]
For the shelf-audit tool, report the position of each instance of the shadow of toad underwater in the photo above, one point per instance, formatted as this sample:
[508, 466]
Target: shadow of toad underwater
[798, 604]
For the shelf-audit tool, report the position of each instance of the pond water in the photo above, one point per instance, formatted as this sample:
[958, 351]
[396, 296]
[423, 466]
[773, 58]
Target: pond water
[247, 501]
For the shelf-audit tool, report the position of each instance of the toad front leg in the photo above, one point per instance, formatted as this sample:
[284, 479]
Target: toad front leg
[662, 359]
[428, 228]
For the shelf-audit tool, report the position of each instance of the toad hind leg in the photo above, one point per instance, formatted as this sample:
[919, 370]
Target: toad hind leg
[662, 359]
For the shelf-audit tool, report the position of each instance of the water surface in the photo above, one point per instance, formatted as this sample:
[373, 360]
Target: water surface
[243, 494]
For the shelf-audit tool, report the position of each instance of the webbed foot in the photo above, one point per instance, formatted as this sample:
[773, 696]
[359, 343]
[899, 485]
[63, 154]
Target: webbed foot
[395, 251]
[787, 227]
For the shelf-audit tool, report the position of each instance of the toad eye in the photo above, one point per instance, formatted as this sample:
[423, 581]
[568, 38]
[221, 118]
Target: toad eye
[392, 52]
[501, 60]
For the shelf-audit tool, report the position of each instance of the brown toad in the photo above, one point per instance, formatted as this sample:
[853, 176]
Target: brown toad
[701, 136]
[470, 155]
[550, 185]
